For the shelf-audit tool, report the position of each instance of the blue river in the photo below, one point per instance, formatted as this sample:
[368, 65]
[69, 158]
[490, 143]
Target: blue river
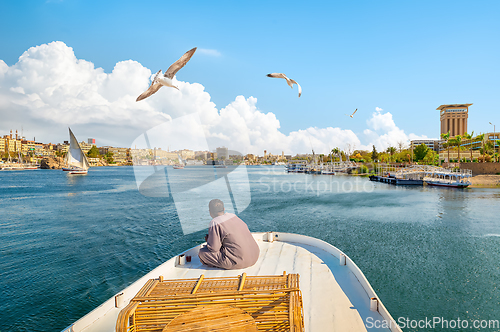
[68, 243]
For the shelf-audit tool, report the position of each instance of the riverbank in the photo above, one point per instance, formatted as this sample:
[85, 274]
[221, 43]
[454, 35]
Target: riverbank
[485, 181]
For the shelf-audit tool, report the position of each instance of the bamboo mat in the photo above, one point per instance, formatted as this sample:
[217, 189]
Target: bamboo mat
[273, 302]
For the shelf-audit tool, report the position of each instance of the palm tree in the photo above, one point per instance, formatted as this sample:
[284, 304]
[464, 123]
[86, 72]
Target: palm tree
[480, 138]
[498, 144]
[458, 142]
[451, 142]
[391, 150]
[336, 151]
[469, 138]
[446, 137]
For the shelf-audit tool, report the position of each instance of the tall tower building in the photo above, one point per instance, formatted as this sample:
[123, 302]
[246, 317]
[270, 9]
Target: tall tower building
[454, 118]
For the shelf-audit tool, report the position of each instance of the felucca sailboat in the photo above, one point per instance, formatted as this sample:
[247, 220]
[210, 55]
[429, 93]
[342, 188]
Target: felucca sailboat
[76, 161]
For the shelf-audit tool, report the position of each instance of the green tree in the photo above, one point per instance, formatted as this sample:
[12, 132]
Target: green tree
[109, 157]
[431, 157]
[391, 150]
[480, 138]
[498, 144]
[363, 169]
[374, 153]
[93, 152]
[336, 151]
[383, 156]
[458, 143]
[420, 152]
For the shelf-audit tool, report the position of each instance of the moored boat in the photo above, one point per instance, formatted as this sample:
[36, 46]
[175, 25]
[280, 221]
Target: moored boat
[12, 168]
[323, 290]
[450, 184]
[30, 167]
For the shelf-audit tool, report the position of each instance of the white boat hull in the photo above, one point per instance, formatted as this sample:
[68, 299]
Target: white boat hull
[448, 184]
[336, 297]
[75, 171]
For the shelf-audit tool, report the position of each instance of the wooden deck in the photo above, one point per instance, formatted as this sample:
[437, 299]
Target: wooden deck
[335, 297]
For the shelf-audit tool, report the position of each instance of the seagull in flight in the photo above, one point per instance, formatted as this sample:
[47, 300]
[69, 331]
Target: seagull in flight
[159, 81]
[352, 113]
[289, 81]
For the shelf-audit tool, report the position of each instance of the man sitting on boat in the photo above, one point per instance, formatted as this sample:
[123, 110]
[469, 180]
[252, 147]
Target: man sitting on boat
[230, 245]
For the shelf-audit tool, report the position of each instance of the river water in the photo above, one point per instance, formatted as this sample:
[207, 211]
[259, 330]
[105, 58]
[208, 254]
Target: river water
[67, 243]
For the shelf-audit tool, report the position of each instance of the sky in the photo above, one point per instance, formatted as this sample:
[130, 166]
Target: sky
[82, 64]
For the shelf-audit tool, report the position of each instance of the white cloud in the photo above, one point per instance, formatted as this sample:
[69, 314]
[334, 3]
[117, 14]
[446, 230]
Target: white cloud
[383, 132]
[49, 89]
[210, 52]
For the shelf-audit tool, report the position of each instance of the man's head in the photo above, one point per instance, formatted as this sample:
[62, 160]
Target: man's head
[216, 208]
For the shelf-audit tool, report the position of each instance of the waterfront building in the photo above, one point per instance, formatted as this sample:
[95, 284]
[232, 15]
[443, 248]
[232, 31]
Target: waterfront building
[464, 154]
[141, 156]
[454, 118]
[39, 149]
[492, 136]
[27, 147]
[120, 155]
[86, 147]
[158, 153]
[204, 155]
[18, 145]
[93, 161]
[433, 144]
[62, 148]
[2, 146]
[10, 145]
[186, 154]
[140, 153]
[222, 153]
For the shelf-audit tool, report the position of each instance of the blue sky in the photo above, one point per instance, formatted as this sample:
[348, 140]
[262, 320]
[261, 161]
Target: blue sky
[405, 58]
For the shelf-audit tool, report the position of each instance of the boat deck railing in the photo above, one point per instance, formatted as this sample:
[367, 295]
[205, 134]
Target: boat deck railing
[421, 171]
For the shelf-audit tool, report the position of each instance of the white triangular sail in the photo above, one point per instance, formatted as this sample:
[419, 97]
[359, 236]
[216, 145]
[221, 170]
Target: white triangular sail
[75, 156]
[182, 162]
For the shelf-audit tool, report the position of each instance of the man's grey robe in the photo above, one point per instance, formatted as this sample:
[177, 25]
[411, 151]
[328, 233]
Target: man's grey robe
[230, 245]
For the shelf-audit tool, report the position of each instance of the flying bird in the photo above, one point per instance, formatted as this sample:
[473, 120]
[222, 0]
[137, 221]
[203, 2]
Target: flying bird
[352, 113]
[289, 81]
[166, 80]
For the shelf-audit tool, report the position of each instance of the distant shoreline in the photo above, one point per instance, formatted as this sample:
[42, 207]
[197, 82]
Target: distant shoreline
[478, 181]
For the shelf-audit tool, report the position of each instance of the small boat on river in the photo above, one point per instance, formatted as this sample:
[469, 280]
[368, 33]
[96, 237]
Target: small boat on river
[75, 160]
[299, 283]
[450, 184]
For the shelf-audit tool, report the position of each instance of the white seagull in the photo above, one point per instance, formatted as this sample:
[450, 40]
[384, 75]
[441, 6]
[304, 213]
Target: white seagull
[166, 80]
[289, 81]
[352, 113]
